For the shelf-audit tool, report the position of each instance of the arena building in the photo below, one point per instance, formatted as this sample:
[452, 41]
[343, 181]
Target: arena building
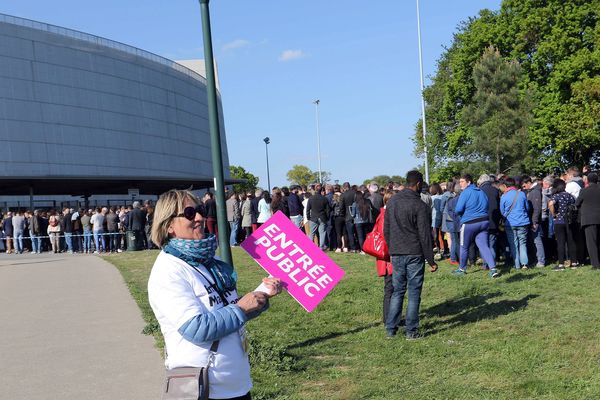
[87, 118]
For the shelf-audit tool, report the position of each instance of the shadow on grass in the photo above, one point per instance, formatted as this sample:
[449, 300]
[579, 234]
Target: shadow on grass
[455, 306]
[479, 312]
[333, 335]
[519, 276]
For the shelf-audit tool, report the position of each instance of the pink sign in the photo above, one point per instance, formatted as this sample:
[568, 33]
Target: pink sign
[285, 252]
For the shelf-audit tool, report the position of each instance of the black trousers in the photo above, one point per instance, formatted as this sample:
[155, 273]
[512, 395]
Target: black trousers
[351, 244]
[340, 223]
[591, 239]
[565, 236]
[579, 239]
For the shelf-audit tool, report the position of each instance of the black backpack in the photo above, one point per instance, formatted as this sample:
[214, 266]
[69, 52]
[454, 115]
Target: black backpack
[572, 214]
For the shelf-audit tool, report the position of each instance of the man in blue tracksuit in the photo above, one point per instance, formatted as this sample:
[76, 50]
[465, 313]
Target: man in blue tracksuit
[472, 207]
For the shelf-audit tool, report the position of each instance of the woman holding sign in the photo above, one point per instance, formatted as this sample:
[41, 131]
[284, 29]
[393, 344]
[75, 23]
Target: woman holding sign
[193, 295]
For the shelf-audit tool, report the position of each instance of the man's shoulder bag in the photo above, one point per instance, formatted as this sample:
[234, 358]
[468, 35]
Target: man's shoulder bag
[502, 224]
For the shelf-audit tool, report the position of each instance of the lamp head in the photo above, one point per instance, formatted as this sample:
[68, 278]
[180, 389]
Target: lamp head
[267, 140]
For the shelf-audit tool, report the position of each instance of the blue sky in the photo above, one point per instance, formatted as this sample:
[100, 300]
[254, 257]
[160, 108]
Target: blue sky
[276, 56]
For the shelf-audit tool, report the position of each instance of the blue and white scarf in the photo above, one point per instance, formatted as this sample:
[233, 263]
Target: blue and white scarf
[201, 253]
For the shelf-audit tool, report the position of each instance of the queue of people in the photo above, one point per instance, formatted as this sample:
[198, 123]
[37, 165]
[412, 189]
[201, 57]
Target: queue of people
[525, 221]
[99, 230]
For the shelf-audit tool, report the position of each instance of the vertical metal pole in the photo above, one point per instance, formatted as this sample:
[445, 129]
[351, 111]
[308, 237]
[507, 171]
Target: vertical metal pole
[268, 175]
[31, 198]
[425, 150]
[215, 137]
[316, 103]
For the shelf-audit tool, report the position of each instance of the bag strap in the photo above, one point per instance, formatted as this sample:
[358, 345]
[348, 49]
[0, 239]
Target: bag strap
[213, 285]
[213, 352]
[513, 203]
[204, 393]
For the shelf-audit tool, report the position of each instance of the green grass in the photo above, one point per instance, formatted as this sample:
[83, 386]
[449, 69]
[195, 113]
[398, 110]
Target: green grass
[526, 335]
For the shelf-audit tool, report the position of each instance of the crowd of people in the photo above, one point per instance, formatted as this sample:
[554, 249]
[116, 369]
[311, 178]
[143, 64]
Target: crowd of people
[526, 221]
[530, 221]
[100, 230]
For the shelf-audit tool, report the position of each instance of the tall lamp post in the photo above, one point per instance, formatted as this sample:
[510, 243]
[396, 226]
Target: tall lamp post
[422, 97]
[267, 141]
[215, 137]
[316, 103]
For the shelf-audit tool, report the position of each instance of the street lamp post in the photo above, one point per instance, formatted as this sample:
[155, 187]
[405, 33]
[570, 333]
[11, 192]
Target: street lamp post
[316, 103]
[215, 137]
[267, 141]
[422, 97]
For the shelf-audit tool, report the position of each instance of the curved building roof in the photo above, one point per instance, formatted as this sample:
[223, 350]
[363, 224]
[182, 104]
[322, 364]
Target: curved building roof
[80, 114]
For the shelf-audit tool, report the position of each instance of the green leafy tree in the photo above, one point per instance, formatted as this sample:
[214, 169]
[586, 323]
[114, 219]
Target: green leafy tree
[302, 175]
[499, 115]
[251, 181]
[556, 44]
[383, 180]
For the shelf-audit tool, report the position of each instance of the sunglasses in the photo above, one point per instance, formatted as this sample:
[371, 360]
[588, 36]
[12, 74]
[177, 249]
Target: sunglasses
[190, 212]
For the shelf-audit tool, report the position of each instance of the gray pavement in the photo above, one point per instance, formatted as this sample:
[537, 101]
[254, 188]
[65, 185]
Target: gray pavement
[69, 329]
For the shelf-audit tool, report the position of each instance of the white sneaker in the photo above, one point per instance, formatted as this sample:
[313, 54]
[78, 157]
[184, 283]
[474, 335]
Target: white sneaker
[96, 252]
[338, 250]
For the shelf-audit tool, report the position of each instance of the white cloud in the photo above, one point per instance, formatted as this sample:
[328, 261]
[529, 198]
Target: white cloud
[236, 44]
[289, 55]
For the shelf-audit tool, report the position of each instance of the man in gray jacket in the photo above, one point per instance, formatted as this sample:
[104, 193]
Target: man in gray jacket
[536, 234]
[407, 231]
[233, 217]
[18, 223]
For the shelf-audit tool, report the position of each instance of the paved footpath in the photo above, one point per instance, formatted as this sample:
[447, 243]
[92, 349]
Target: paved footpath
[69, 329]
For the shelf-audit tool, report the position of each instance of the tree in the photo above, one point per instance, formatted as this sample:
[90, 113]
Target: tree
[251, 181]
[556, 44]
[302, 175]
[382, 180]
[499, 116]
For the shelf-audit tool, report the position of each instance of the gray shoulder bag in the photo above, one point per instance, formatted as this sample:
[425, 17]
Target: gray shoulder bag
[189, 383]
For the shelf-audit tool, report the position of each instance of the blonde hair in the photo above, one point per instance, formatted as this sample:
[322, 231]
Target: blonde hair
[387, 196]
[169, 205]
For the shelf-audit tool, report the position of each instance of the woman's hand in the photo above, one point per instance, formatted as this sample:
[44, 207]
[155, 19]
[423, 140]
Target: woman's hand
[273, 285]
[253, 301]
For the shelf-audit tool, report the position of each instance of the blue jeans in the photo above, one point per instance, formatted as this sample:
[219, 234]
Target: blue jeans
[540, 253]
[517, 242]
[297, 220]
[408, 273]
[322, 227]
[99, 240]
[18, 242]
[475, 232]
[454, 246]
[233, 225]
[87, 240]
[69, 241]
[361, 231]
[36, 243]
[350, 231]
